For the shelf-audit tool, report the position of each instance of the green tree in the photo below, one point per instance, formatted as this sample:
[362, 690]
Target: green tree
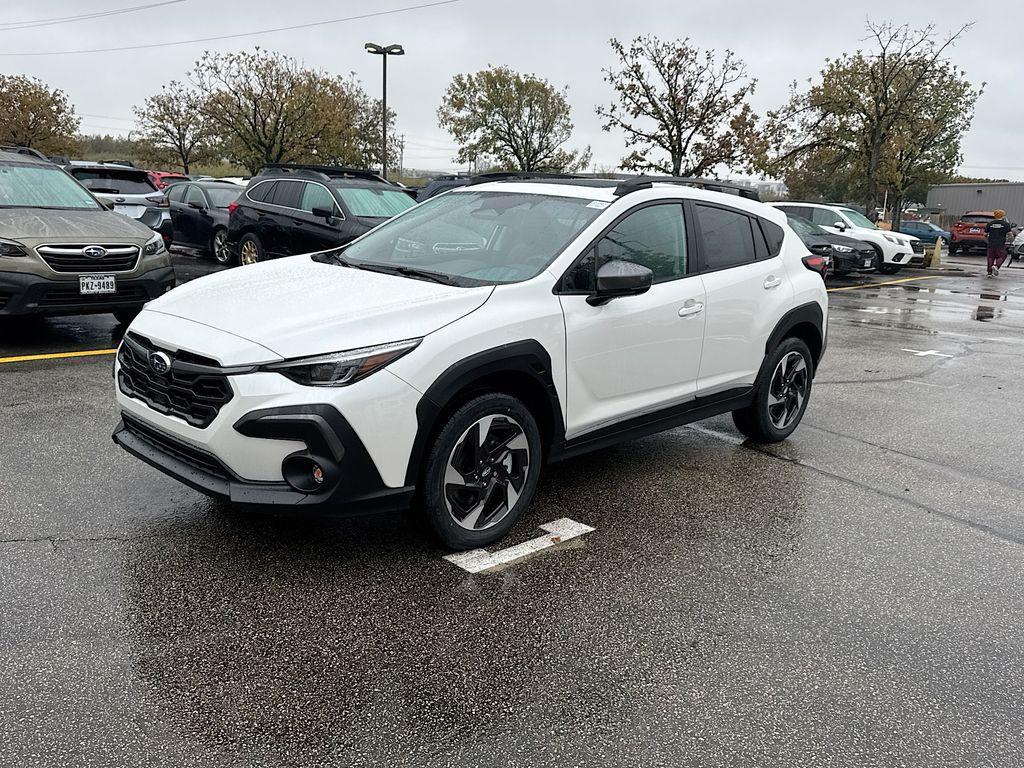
[521, 121]
[683, 111]
[171, 127]
[265, 108]
[878, 120]
[37, 116]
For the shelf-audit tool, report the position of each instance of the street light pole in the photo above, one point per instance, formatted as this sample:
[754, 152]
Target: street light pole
[384, 51]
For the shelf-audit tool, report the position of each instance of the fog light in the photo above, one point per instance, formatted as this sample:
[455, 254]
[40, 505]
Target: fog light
[308, 474]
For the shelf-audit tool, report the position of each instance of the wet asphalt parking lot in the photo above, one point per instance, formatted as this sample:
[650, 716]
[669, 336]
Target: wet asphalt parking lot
[851, 597]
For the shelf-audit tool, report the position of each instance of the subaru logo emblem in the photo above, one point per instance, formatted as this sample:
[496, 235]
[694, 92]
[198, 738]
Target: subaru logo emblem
[94, 251]
[160, 362]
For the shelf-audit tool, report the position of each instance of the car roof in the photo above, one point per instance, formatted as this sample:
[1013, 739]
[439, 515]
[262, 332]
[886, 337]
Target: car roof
[23, 159]
[981, 213]
[90, 166]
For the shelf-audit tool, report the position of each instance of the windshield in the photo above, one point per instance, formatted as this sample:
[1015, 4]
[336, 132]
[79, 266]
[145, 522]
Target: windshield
[804, 228]
[41, 186]
[373, 203]
[477, 237]
[858, 219]
[114, 182]
[222, 197]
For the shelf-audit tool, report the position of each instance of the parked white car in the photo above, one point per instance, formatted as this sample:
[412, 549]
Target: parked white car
[893, 250]
[448, 354]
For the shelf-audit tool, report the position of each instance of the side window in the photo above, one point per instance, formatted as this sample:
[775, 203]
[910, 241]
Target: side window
[175, 193]
[774, 234]
[825, 217]
[317, 196]
[195, 195]
[796, 210]
[261, 192]
[654, 237]
[287, 194]
[760, 244]
[727, 237]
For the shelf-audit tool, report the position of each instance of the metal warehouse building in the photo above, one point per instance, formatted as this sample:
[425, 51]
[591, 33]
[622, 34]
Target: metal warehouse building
[956, 199]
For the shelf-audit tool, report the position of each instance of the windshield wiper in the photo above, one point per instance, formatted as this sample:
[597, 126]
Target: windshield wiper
[422, 274]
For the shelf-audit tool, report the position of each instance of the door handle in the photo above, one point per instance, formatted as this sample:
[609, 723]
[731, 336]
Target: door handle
[691, 308]
[772, 282]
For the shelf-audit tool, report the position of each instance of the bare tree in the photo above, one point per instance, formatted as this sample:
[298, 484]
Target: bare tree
[683, 110]
[521, 121]
[172, 128]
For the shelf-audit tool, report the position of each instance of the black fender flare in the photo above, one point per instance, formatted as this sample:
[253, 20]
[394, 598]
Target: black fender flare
[527, 357]
[809, 313]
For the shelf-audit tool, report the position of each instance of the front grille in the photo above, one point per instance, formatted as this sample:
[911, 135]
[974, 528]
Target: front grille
[917, 246]
[73, 258]
[71, 297]
[194, 457]
[193, 390]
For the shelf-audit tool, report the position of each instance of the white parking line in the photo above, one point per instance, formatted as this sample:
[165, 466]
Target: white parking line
[734, 439]
[477, 560]
[926, 353]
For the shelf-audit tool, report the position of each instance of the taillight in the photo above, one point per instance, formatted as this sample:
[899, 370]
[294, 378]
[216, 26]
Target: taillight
[160, 201]
[231, 208]
[817, 264]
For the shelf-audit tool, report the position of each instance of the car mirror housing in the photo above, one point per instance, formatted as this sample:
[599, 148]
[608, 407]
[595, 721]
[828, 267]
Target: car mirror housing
[323, 213]
[839, 225]
[618, 278]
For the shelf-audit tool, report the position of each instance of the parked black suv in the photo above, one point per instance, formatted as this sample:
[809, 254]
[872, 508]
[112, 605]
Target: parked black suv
[292, 209]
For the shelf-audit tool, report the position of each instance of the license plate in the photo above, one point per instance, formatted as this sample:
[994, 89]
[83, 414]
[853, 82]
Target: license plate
[868, 262]
[132, 211]
[974, 231]
[92, 284]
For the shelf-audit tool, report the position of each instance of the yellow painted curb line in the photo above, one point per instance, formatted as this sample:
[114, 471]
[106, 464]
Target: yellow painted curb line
[57, 356]
[888, 282]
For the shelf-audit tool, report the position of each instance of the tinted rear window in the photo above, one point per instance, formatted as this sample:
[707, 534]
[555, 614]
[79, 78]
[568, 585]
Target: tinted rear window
[114, 182]
[260, 192]
[977, 219]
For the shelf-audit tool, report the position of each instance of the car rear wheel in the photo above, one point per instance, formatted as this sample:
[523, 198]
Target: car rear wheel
[250, 250]
[219, 247]
[781, 395]
[953, 248]
[482, 471]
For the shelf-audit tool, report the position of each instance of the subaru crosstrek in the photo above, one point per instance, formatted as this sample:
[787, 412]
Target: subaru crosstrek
[63, 252]
[445, 356]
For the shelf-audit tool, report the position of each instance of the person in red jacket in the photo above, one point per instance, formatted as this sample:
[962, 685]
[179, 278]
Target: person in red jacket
[997, 230]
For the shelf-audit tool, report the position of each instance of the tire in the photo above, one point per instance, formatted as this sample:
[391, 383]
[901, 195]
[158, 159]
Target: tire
[125, 316]
[953, 248]
[250, 250]
[764, 421]
[219, 247]
[487, 493]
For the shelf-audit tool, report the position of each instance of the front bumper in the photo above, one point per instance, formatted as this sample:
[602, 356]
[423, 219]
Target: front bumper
[30, 294]
[352, 484]
[845, 263]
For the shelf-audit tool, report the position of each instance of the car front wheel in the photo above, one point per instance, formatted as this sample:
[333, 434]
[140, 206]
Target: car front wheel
[781, 394]
[482, 471]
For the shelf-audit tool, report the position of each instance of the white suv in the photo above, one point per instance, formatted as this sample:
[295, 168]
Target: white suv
[445, 356]
[893, 250]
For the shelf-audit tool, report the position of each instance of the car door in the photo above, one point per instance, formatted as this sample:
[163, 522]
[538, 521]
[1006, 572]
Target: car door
[638, 354]
[176, 203]
[197, 214]
[278, 219]
[319, 232]
[748, 291]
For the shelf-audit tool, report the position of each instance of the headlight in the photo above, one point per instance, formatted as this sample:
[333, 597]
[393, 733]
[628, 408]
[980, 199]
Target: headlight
[12, 248]
[842, 249]
[154, 246]
[894, 240]
[339, 369]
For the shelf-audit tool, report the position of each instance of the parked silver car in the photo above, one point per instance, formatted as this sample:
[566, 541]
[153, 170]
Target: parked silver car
[129, 190]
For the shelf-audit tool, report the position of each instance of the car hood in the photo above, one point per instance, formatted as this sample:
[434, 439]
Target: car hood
[297, 307]
[33, 226]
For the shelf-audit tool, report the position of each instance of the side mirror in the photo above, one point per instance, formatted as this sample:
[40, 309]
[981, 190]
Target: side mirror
[107, 204]
[620, 278]
[197, 206]
[323, 213]
[839, 225]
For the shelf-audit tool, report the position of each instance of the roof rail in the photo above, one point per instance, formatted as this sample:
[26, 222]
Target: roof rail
[637, 183]
[27, 151]
[330, 171]
[483, 178]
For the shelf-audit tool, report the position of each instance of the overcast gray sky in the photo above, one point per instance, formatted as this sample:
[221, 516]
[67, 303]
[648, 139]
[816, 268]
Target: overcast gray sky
[562, 40]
